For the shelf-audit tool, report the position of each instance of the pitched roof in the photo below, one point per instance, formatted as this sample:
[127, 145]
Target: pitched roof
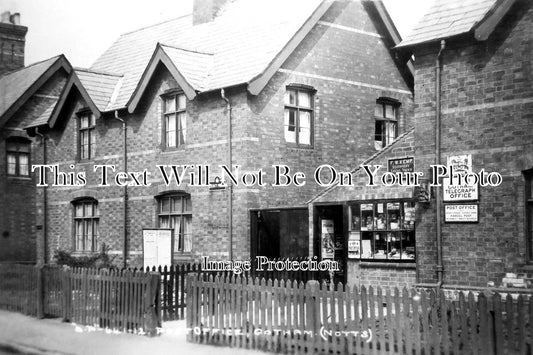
[130, 54]
[247, 36]
[233, 49]
[195, 66]
[44, 117]
[447, 18]
[17, 86]
[99, 85]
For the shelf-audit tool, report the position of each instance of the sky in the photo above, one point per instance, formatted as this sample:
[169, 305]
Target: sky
[83, 30]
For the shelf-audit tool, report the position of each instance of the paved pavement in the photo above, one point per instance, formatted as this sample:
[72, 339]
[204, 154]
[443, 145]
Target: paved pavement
[21, 334]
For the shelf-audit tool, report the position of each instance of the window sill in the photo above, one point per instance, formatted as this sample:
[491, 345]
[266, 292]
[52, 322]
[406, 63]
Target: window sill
[83, 253]
[299, 147]
[177, 256]
[173, 149]
[386, 265]
[19, 178]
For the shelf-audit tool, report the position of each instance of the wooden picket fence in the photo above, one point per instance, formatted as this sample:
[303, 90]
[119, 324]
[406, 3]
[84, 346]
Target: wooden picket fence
[291, 317]
[121, 300]
[172, 290]
[174, 280]
[126, 301]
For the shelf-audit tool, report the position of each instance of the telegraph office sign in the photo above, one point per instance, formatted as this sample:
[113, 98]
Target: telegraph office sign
[463, 192]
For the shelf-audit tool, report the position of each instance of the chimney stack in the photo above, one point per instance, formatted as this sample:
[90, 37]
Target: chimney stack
[204, 11]
[12, 42]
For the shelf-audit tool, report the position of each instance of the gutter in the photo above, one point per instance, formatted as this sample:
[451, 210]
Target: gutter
[125, 195]
[438, 64]
[45, 198]
[230, 186]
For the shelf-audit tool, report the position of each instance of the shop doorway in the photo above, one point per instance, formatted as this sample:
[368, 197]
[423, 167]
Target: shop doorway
[330, 237]
[280, 233]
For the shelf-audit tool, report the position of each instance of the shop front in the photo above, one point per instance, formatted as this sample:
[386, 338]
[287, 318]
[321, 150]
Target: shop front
[373, 241]
[370, 230]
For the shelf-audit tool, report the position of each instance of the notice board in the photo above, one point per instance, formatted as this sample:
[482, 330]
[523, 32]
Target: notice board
[401, 165]
[157, 247]
[461, 213]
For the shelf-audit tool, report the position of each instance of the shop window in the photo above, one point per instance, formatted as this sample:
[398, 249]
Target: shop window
[175, 120]
[86, 220]
[386, 130]
[175, 212]
[18, 157]
[529, 212]
[299, 115]
[383, 231]
[87, 136]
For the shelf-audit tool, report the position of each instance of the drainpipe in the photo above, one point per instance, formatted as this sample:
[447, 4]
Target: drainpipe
[440, 266]
[45, 202]
[230, 186]
[125, 197]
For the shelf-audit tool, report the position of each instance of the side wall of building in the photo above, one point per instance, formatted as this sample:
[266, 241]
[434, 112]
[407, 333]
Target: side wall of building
[19, 226]
[487, 105]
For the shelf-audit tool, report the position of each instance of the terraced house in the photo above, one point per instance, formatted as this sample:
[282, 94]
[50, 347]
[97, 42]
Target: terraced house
[241, 83]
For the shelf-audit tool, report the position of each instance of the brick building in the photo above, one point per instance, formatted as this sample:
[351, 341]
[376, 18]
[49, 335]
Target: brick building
[480, 51]
[17, 190]
[236, 84]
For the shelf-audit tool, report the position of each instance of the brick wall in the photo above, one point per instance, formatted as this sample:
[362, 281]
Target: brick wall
[19, 224]
[347, 88]
[487, 100]
[380, 276]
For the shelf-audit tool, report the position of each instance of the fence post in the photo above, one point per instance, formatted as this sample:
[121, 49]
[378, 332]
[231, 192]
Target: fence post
[313, 307]
[40, 292]
[153, 314]
[67, 293]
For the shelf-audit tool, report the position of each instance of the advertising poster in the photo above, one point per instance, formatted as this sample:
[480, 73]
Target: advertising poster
[354, 245]
[328, 243]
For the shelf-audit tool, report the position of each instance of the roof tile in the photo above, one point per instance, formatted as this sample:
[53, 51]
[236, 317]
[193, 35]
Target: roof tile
[448, 18]
[14, 84]
[100, 86]
[233, 49]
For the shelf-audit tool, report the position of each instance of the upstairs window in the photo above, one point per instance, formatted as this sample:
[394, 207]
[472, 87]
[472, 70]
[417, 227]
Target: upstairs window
[87, 136]
[175, 212]
[175, 120]
[86, 220]
[385, 114]
[18, 157]
[299, 109]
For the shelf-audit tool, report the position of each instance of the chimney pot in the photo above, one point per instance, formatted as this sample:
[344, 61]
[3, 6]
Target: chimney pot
[15, 18]
[5, 17]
